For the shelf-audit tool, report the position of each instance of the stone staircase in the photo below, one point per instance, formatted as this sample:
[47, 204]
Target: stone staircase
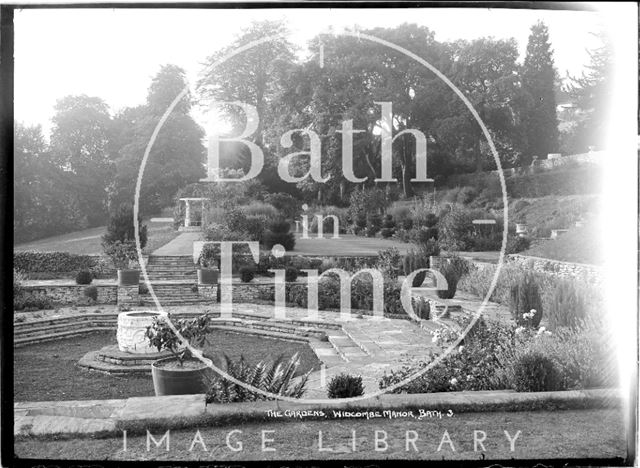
[171, 268]
[173, 293]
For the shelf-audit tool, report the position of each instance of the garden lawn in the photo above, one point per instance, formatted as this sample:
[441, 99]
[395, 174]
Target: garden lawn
[88, 241]
[574, 434]
[347, 245]
[48, 371]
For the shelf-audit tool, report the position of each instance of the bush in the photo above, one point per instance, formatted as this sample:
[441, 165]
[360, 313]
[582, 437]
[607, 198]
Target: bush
[287, 240]
[217, 233]
[143, 289]
[120, 227]
[273, 377]
[84, 277]
[450, 273]
[566, 307]
[526, 303]
[288, 205]
[28, 302]
[413, 261]
[235, 220]
[291, 274]
[18, 280]
[466, 195]
[258, 208]
[389, 262]
[345, 386]
[247, 274]
[91, 292]
[534, 372]
[517, 244]
[255, 227]
[123, 254]
[374, 225]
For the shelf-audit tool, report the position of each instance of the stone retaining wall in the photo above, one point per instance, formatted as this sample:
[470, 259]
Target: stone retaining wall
[590, 273]
[72, 294]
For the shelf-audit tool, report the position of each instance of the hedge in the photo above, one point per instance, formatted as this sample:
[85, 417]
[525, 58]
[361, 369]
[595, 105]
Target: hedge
[53, 262]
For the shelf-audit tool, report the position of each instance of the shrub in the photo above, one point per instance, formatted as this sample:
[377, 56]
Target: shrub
[273, 377]
[466, 195]
[18, 280]
[413, 261]
[258, 208]
[389, 261]
[566, 307]
[401, 215]
[517, 244]
[450, 273]
[120, 227]
[288, 205]
[143, 289]
[255, 227]
[122, 254]
[291, 274]
[534, 372]
[345, 386]
[526, 303]
[235, 220]
[374, 224]
[91, 292]
[84, 277]
[218, 233]
[29, 302]
[247, 274]
[278, 233]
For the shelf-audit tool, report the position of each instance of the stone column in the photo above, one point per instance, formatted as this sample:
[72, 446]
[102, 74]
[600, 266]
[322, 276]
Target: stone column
[187, 213]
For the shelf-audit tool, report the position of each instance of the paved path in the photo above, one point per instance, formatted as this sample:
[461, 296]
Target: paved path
[181, 245]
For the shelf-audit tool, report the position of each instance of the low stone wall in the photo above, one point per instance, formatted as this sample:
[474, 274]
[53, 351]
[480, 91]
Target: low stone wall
[590, 273]
[72, 294]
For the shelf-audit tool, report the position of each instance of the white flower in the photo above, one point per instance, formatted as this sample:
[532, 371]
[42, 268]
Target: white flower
[547, 332]
[453, 381]
[532, 311]
[540, 331]
[460, 348]
[519, 330]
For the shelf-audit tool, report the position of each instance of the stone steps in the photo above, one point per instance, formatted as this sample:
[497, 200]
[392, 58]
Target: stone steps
[58, 335]
[346, 348]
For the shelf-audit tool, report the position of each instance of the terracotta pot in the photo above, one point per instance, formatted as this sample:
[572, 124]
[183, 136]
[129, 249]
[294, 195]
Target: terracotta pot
[171, 379]
[207, 276]
[128, 277]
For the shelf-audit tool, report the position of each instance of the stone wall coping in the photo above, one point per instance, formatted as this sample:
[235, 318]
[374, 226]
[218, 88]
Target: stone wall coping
[542, 259]
[91, 417]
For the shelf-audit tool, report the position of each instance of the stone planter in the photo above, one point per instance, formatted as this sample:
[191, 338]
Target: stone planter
[207, 276]
[128, 277]
[171, 379]
[521, 229]
[132, 331]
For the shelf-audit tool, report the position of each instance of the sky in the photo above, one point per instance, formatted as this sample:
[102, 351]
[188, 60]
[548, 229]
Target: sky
[113, 54]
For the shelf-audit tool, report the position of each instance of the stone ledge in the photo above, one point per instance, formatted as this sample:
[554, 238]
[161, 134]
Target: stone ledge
[180, 411]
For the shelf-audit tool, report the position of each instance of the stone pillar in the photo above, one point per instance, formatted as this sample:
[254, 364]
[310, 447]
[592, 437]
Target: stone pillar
[187, 213]
[208, 291]
[128, 295]
[203, 217]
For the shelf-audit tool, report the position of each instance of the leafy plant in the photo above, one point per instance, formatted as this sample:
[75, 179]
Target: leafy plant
[122, 254]
[84, 277]
[526, 302]
[345, 386]
[291, 274]
[273, 377]
[389, 262]
[120, 227]
[278, 233]
[91, 292]
[450, 273]
[534, 372]
[566, 307]
[247, 274]
[413, 261]
[194, 331]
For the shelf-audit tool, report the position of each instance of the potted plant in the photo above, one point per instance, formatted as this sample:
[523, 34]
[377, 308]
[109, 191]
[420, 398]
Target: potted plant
[180, 374]
[207, 263]
[124, 257]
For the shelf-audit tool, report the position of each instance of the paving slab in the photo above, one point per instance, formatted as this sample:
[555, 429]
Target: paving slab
[158, 408]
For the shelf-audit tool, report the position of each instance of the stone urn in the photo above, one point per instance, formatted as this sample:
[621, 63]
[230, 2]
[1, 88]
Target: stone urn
[521, 229]
[132, 330]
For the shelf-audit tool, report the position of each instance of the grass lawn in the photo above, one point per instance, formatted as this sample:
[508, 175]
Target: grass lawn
[543, 435]
[48, 371]
[88, 241]
[346, 245]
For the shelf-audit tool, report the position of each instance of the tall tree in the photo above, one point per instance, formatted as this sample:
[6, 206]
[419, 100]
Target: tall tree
[591, 95]
[538, 80]
[44, 200]
[177, 156]
[254, 76]
[80, 145]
